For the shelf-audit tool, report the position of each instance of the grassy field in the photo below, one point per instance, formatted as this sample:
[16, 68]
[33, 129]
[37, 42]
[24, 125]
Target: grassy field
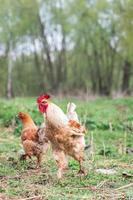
[109, 161]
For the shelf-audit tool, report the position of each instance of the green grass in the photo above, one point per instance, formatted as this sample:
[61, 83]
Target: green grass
[110, 130]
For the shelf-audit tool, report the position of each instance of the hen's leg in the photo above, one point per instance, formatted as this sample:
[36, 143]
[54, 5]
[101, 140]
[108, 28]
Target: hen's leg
[39, 159]
[23, 157]
[61, 161]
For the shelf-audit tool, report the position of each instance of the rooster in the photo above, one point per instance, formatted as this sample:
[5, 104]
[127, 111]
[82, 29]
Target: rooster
[33, 138]
[66, 135]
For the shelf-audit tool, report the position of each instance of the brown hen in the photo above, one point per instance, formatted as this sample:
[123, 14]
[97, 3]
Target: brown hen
[33, 138]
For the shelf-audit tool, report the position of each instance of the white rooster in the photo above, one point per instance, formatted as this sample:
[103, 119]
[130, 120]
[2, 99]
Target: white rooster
[66, 136]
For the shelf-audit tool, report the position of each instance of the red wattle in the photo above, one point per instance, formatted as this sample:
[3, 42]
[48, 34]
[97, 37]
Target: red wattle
[42, 108]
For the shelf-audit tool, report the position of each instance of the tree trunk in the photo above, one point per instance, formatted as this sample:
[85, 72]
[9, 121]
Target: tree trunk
[38, 68]
[126, 77]
[50, 69]
[61, 65]
[9, 92]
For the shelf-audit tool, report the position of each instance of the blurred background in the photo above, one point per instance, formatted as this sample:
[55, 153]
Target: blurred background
[74, 47]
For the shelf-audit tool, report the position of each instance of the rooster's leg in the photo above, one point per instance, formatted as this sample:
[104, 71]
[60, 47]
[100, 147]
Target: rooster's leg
[81, 168]
[80, 159]
[61, 162]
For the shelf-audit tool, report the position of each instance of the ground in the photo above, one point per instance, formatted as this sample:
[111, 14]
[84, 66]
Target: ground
[108, 163]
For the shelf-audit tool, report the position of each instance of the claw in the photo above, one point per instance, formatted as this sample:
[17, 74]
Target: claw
[81, 172]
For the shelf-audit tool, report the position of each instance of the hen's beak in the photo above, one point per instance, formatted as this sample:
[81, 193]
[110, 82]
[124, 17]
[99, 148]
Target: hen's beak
[17, 116]
[17, 119]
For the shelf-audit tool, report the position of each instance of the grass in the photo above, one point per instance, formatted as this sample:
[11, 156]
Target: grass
[110, 132]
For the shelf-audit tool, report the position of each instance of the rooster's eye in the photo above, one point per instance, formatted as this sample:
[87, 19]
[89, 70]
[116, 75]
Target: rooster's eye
[43, 103]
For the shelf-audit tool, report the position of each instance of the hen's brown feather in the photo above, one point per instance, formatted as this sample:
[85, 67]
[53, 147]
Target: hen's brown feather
[31, 142]
[29, 134]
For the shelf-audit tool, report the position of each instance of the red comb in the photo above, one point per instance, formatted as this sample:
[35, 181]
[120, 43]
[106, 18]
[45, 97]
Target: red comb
[42, 97]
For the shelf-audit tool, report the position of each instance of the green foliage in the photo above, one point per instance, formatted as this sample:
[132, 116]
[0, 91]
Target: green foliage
[101, 114]
[106, 154]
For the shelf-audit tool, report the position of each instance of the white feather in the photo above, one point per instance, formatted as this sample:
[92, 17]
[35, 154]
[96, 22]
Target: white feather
[56, 116]
[71, 113]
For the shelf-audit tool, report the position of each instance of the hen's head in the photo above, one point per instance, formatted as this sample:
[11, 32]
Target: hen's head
[42, 102]
[23, 116]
